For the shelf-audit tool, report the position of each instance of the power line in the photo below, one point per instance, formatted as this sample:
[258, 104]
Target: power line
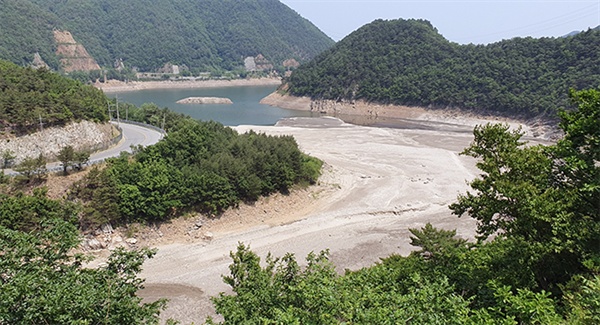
[548, 23]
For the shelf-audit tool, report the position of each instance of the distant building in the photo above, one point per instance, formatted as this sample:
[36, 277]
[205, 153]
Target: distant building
[169, 69]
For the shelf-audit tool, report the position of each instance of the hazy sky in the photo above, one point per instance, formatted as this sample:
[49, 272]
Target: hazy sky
[475, 21]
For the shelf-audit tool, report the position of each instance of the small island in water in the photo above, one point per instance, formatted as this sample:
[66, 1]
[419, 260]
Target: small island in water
[205, 100]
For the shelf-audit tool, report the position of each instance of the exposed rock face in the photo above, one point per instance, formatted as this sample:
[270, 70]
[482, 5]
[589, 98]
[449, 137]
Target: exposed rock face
[205, 100]
[250, 64]
[74, 56]
[169, 68]
[258, 63]
[291, 63]
[84, 135]
[262, 63]
[38, 63]
[118, 64]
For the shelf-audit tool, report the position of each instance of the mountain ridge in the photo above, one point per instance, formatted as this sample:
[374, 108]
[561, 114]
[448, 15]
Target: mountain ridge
[407, 62]
[200, 35]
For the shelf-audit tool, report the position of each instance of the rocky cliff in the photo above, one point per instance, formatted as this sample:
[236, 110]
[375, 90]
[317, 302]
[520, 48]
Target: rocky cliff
[73, 56]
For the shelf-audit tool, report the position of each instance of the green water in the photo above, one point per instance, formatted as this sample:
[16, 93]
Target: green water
[245, 109]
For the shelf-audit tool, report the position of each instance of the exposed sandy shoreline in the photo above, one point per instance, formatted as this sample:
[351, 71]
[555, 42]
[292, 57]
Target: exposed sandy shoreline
[364, 113]
[356, 112]
[119, 86]
[377, 183]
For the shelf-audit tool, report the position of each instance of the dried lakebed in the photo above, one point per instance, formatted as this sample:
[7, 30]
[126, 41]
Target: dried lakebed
[377, 183]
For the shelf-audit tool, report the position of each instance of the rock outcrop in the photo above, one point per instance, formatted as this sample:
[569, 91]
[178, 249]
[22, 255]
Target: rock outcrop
[258, 63]
[38, 63]
[205, 100]
[290, 64]
[74, 57]
[84, 135]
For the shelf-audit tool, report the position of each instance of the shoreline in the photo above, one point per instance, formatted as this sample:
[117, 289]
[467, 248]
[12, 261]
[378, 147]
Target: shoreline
[114, 86]
[355, 112]
[360, 112]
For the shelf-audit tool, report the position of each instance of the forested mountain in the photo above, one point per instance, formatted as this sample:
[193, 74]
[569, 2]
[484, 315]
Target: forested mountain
[201, 34]
[408, 62]
[20, 40]
[28, 95]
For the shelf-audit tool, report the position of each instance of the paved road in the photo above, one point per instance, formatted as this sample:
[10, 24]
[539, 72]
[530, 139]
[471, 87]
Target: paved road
[133, 135]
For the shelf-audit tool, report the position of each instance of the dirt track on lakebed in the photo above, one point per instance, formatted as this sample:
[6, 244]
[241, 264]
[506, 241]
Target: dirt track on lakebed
[377, 183]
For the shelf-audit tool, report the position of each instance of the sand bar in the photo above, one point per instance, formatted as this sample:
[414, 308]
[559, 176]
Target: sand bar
[205, 100]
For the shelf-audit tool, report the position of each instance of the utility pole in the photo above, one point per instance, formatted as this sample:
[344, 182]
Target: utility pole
[41, 123]
[117, 110]
[108, 104]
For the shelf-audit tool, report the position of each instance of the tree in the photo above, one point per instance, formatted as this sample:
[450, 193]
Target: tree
[32, 169]
[434, 242]
[81, 158]
[8, 158]
[28, 213]
[43, 282]
[66, 156]
[577, 170]
[282, 292]
[544, 198]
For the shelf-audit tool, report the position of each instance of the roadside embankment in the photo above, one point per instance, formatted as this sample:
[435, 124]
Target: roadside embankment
[84, 135]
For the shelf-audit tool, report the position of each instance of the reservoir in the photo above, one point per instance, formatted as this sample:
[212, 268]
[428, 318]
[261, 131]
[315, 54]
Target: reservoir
[245, 109]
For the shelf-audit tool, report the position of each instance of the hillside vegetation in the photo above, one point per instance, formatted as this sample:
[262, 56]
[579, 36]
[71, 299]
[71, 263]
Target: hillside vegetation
[203, 35]
[28, 95]
[536, 260]
[407, 62]
[199, 166]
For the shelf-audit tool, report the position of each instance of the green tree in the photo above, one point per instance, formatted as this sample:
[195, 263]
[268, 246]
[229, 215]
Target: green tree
[32, 169]
[81, 158]
[43, 282]
[66, 156]
[28, 213]
[99, 191]
[282, 292]
[8, 158]
[546, 199]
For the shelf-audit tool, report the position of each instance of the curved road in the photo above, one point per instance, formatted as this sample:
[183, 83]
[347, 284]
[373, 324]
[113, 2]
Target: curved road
[133, 135]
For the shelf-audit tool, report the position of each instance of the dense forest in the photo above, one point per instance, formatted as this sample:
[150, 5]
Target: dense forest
[28, 95]
[536, 260]
[407, 62]
[202, 35]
